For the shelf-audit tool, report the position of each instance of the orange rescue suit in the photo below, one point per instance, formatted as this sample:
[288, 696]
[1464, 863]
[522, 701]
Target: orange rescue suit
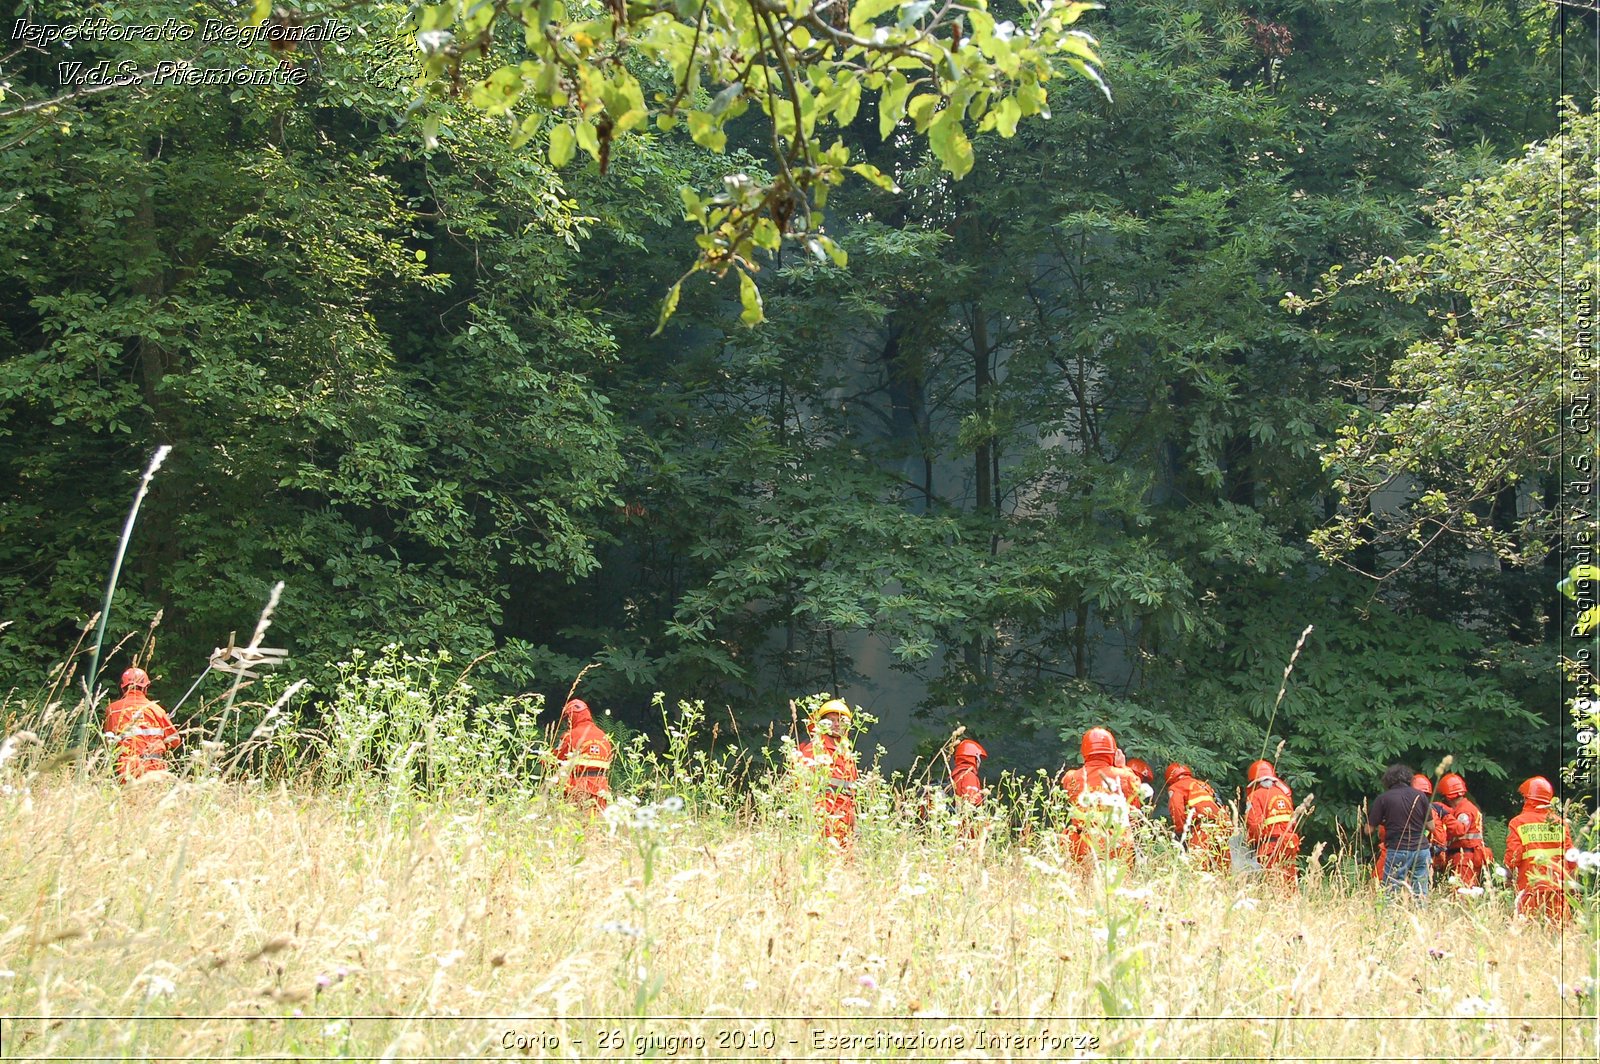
[964, 780]
[1200, 822]
[1536, 853]
[829, 765]
[143, 733]
[1269, 827]
[1104, 796]
[585, 755]
[1465, 852]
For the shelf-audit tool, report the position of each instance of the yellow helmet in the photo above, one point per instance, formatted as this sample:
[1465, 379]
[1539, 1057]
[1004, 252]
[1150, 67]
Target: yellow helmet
[832, 705]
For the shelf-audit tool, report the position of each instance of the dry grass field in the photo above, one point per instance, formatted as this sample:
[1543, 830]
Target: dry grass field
[234, 918]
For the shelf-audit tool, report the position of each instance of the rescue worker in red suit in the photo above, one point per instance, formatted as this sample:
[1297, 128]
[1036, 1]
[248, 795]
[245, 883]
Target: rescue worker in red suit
[1104, 797]
[1147, 775]
[826, 762]
[1200, 823]
[1536, 854]
[1465, 853]
[141, 729]
[1441, 840]
[1436, 836]
[1269, 823]
[584, 752]
[964, 780]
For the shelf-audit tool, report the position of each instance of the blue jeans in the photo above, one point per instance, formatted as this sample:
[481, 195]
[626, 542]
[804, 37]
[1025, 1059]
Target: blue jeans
[1410, 869]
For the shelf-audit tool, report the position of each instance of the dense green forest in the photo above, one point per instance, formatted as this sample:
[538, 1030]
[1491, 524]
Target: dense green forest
[1089, 435]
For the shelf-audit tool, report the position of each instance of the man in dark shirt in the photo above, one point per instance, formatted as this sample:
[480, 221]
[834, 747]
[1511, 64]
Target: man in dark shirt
[1402, 811]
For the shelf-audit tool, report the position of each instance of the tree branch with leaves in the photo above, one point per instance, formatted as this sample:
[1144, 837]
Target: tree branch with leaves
[569, 76]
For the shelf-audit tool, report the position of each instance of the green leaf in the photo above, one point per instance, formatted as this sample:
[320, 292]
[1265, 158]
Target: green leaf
[563, 144]
[1006, 113]
[750, 298]
[589, 139]
[921, 110]
[828, 247]
[706, 131]
[668, 305]
[862, 14]
[949, 142]
[850, 100]
[892, 103]
[876, 176]
[624, 102]
[725, 98]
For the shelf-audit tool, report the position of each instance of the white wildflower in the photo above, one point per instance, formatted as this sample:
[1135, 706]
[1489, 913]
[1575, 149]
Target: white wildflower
[159, 986]
[1041, 866]
[1134, 893]
[1475, 1006]
[1470, 892]
[13, 743]
[445, 960]
[855, 1003]
[620, 927]
[751, 984]
[1245, 903]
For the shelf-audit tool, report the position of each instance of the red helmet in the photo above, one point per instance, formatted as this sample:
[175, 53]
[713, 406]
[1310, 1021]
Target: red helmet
[1537, 790]
[136, 677]
[1422, 783]
[577, 709]
[1142, 769]
[1097, 742]
[1176, 772]
[1258, 771]
[970, 748]
[1452, 786]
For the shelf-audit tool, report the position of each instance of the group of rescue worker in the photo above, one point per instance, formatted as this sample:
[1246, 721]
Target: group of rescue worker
[1105, 796]
[1108, 791]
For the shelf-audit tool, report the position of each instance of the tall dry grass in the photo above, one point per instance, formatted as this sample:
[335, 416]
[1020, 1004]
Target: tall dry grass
[220, 918]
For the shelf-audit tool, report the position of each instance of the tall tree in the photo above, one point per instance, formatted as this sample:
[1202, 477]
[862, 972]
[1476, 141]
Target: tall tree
[374, 384]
